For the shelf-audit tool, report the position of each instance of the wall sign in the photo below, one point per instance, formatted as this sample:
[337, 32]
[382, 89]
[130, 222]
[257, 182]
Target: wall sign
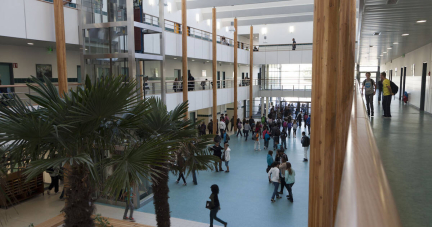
[15, 65]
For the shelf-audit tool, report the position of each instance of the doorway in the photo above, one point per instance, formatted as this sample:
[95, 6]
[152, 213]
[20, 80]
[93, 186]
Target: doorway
[223, 78]
[400, 85]
[218, 79]
[423, 88]
[177, 74]
[6, 75]
[404, 80]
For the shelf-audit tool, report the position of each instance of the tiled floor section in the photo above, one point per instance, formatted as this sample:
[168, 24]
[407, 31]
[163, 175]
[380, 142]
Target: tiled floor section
[244, 192]
[405, 145]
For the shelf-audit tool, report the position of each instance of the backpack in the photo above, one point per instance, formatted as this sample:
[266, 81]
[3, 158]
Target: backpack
[267, 136]
[285, 124]
[394, 87]
[306, 141]
[227, 137]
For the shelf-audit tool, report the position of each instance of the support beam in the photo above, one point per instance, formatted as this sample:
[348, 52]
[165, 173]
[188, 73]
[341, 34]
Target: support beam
[214, 49]
[184, 53]
[333, 61]
[235, 72]
[251, 70]
[60, 46]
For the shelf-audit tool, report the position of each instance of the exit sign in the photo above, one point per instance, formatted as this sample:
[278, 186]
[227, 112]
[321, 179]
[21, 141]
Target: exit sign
[15, 65]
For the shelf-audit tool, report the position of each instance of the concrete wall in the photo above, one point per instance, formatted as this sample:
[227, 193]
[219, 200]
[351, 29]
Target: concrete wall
[413, 60]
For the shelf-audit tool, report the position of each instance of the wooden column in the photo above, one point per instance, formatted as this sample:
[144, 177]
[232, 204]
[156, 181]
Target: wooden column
[323, 139]
[60, 46]
[347, 20]
[235, 73]
[250, 70]
[184, 53]
[214, 49]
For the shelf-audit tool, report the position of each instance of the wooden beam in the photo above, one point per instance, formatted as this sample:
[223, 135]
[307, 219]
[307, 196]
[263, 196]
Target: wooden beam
[235, 74]
[250, 70]
[60, 46]
[214, 49]
[323, 139]
[184, 53]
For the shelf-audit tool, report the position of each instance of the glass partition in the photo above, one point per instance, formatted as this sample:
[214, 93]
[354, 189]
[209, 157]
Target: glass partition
[103, 11]
[101, 67]
[108, 40]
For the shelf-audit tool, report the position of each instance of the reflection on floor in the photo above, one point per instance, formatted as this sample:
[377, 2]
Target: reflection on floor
[405, 145]
[244, 192]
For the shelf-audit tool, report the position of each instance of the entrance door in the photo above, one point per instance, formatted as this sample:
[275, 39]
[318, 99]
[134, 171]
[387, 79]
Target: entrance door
[218, 79]
[223, 78]
[6, 74]
[400, 85]
[423, 88]
[404, 80]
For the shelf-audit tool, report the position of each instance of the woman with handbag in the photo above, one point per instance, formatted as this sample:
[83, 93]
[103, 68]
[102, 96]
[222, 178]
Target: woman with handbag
[214, 206]
[226, 156]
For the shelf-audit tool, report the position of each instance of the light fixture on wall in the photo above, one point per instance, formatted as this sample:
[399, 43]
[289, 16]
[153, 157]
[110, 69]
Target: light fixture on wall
[389, 48]
[151, 2]
[264, 30]
[291, 29]
[31, 44]
[405, 34]
[395, 43]
[208, 22]
[169, 7]
[232, 28]
[421, 21]
[197, 17]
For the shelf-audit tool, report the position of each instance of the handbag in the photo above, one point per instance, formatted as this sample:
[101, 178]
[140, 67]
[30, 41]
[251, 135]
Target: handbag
[208, 205]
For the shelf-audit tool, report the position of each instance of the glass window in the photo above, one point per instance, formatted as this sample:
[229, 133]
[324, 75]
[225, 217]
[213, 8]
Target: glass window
[105, 40]
[101, 67]
[103, 11]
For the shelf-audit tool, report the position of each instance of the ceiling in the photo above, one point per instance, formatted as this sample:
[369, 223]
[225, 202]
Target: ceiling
[392, 20]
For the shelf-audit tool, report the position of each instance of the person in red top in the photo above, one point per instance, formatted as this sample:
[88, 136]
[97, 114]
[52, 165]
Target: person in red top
[305, 118]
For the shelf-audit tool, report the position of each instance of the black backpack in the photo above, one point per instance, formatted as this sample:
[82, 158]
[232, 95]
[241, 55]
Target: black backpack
[394, 87]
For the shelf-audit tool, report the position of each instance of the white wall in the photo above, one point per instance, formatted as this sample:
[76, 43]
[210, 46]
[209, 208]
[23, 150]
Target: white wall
[28, 57]
[283, 57]
[413, 82]
[31, 19]
[279, 33]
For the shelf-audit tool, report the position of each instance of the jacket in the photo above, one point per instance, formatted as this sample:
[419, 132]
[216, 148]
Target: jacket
[247, 127]
[264, 133]
[274, 174]
[222, 125]
[269, 160]
[289, 179]
[227, 154]
[304, 140]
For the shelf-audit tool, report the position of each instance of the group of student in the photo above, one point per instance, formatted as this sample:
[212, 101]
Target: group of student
[386, 89]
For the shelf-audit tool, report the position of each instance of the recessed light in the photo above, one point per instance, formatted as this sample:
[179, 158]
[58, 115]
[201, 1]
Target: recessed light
[193, 60]
[389, 48]
[377, 33]
[384, 52]
[175, 58]
[381, 55]
[395, 43]
[406, 34]
[421, 21]
[31, 44]
[207, 61]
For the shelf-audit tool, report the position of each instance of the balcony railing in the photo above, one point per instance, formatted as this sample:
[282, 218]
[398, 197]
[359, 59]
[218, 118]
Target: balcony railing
[365, 197]
[283, 47]
[154, 87]
[284, 84]
[150, 19]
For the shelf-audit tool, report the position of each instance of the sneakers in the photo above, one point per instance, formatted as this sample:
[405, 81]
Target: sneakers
[184, 184]
[125, 218]
[131, 219]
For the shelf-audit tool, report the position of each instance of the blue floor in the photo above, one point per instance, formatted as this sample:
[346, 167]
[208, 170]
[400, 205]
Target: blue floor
[405, 145]
[245, 192]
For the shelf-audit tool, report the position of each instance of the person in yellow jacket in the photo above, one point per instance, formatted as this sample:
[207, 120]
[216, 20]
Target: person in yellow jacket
[387, 94]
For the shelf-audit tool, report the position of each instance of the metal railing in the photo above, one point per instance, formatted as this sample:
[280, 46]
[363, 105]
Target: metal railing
[22, 90]
[283, 47]
[172, 86]
[150, 19]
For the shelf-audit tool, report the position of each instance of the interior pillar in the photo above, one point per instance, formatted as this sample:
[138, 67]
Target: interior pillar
[251, 70]
[235, 72]
[184, 53]
[60, 46]
[214, 86]
[162, 50]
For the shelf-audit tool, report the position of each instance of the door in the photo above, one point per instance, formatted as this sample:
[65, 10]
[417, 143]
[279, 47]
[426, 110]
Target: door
[6, 75]
[78, 73]
[242, 82]
[423, 88]
[404, 80]
[223, 79]
[218, 79]
[192, 116]
[400, 85]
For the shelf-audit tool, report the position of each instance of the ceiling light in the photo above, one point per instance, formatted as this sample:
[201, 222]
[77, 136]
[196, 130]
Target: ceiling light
[389, 48]
[421, 21]
[406, 34]
[197, 17]
[31, 44]
[175, 58]
[208, 61]
[395, 43]
[193, 60]
[169, 7]
[377, 33]
[381, 55]
[384, 52]
[226, 29]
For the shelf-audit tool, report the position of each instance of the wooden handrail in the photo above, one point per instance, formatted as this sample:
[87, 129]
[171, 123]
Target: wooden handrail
[365, 197]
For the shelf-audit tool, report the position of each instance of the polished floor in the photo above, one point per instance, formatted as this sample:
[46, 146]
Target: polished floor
[245, 192]
[405, 145]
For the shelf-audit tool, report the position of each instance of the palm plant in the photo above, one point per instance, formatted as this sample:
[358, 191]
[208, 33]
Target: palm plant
[160, 121]
[79, 129]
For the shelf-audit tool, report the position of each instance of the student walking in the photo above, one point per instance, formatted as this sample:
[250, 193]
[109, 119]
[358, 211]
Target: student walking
[227, 156]
[217, 151]
[308, 123]
[269, 161]
[215, 206]
[232, 123]
[266, 136]
[380, 91]
[305, 141]
[305, 117]
[370, 90]
[289, 127]
[210, 127]
[54, 174]
[387, 93]
[181, 165]
[222, 125]
[289, 180]
[239, 127]
[273, 176]
[225, 137]
[128, 195]
[295, 129]
[246, 130]
[256, 137]
[283, 138]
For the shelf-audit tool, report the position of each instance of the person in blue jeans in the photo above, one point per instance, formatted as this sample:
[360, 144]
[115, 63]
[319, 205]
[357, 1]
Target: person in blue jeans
[128, 194]
[273, 175]
[215, 206]
[289, 180]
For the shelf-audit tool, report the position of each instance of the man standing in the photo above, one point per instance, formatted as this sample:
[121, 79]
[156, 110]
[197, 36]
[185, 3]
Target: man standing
[203, 129]
[370, 90]
[294, 44]
[222, 125]
[305, 141]
[387, 93]
[227, 121]
[210, 127]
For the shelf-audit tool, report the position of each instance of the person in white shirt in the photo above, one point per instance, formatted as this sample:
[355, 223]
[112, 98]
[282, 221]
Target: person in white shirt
[273, 175]
[227, 156]
[222, 125]
[289, 180]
